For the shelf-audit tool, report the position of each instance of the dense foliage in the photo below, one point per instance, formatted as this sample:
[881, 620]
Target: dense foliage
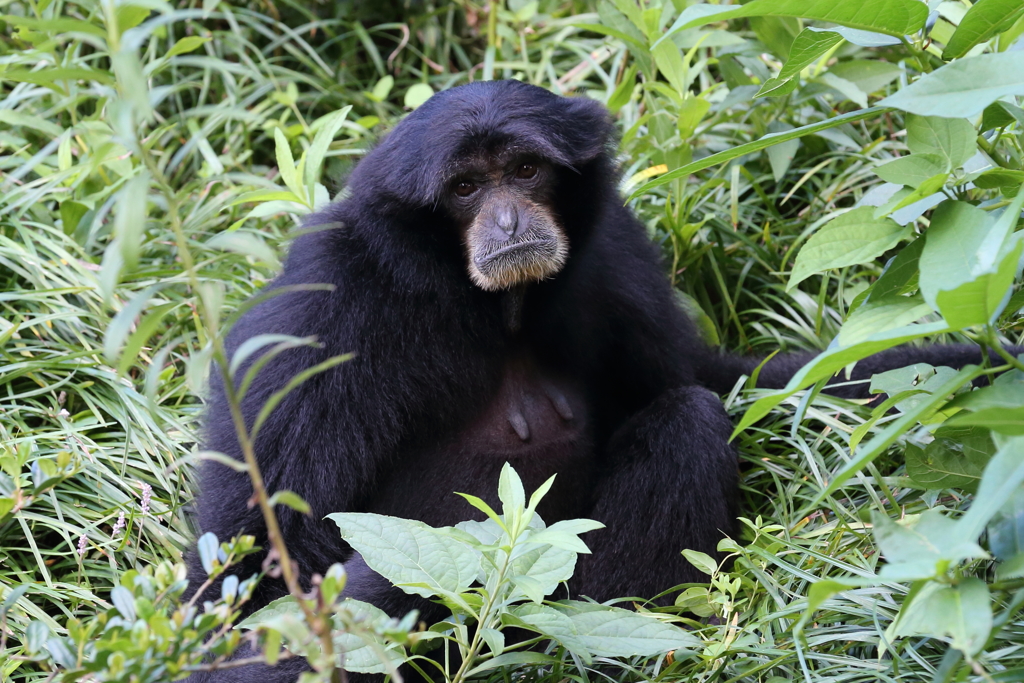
[837, 176]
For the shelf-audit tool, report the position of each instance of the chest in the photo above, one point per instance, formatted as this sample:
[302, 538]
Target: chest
[536, 418]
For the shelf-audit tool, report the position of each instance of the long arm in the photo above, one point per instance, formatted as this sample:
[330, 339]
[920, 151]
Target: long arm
[720, 371]
[332, 435]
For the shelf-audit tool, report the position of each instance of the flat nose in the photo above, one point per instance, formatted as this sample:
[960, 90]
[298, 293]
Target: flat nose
[506, 220]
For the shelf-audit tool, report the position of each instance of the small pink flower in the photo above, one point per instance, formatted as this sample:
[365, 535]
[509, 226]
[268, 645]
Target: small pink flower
[147, 494]
[82, 541]
[118, 525]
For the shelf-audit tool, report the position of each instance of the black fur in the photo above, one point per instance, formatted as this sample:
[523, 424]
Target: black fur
[397, 429]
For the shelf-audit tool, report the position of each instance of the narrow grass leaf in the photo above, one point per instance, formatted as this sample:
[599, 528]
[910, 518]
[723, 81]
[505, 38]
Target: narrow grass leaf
[755, 146]
[897, 428]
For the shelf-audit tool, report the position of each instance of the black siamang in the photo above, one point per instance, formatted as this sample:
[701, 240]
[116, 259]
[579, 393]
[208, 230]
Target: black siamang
[502, 306]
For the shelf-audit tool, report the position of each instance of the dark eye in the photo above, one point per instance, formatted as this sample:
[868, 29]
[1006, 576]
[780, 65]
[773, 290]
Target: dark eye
[465, 188]
[526, 171]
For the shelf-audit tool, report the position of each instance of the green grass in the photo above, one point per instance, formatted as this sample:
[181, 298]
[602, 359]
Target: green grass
[95, 402]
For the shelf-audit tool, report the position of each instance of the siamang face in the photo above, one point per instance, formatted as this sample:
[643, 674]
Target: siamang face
[502, 205]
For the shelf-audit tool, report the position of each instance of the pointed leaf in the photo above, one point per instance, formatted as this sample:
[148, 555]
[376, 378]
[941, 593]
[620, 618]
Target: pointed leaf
[410, 554]
[955, 140]
[983, 20]
[893, 17]
[851, 238]
[962, 89]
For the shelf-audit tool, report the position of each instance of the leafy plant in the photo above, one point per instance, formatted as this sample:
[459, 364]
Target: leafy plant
[492, 575]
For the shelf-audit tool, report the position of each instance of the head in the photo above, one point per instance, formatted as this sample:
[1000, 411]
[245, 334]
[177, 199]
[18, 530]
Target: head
[502, 206]
[488, 157]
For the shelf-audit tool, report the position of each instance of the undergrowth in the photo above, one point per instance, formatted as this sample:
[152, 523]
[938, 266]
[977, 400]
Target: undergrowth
[129, 165]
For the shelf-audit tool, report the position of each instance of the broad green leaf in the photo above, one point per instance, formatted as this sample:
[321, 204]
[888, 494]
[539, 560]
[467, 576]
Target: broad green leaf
[900, 274]
[913, 170]
[967, 265]
[207, 547]
[1000, 114]
[918, 381]
[962, 613]
[755, 146]
[417, 94]
[1007, 180]
[186, 44]
[510, 491]
[893, 17]
[1006, 528]
[362, 652]
[923, 550]
[980, 301]
[844, 87]
[601, 631]
[822, 590]
[548, 566]
[410, 554]
[999, 407]
[955, 140]
[696, 600]
[867, 74]
[962, 89]
[130, 16]
[366, 651]
[669, 59]
[862, 38]
[383, 88]
[806, 49]
[701, 561]
[691, 113]
[983, 20]
[776, 87]
[955, 459]
[71, 213]
[879, 315]
[852, 238]
[565, 534]
[494, 638]
[834, 359]
[776, 33]
[1003, 476]
[124, 601]
[926, 189]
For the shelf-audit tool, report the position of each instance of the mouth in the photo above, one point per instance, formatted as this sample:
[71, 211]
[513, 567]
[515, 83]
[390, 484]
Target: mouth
[508, 249]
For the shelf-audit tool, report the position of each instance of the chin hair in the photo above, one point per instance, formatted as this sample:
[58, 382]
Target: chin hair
[520, 268]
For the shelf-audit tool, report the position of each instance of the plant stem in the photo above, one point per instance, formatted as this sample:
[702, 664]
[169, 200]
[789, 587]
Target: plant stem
[487, 618]
[993, 343]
